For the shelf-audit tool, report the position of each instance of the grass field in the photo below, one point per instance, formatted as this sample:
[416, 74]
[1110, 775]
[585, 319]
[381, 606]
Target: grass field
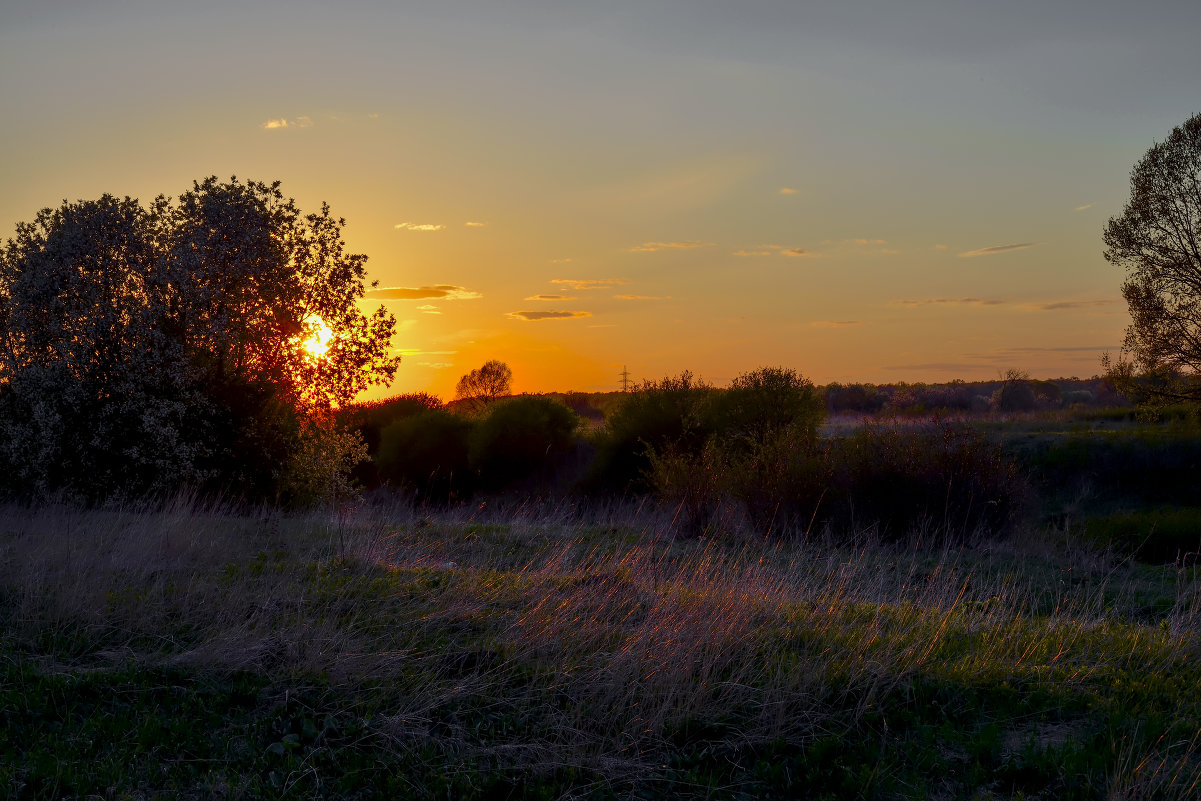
[549, 651]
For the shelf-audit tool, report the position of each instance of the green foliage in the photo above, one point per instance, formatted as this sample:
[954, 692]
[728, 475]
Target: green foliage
[521, 437]
[429, 453]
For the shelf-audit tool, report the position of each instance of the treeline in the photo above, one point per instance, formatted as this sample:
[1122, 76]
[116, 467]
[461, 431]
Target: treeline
[752, 451]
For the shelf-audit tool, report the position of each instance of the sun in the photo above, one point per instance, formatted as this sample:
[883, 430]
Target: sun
[317, 339]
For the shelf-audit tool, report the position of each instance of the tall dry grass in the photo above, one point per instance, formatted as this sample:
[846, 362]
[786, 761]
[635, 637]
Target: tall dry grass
[601, 644]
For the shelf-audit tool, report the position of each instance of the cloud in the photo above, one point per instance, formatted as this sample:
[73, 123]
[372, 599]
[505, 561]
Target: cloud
[861, 242]
[408, 226]
[549, 297]
[441, 292]
[281, 123]
[1082, 208]
[473, 224]
[428, 309]
[940, 247]
[560, 261]
[971, 254]
[835, 323]
[1073, 304]
[787, 190]
[754, 253]
[589, 283]
[651, 247]
[641, 297]
[799, 253]
[436, 365]
[535, 316]
[950, 302]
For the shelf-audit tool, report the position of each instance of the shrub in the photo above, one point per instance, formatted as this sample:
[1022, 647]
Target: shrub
[520, 437]
[428, 453]
[670, 413]
[760, 405]
[904, 477]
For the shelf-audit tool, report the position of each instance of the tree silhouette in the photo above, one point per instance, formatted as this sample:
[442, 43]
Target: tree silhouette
[485, 384]
[146, 349]
[1157, 240]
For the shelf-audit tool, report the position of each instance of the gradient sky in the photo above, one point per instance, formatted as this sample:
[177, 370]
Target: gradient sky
[863, 191]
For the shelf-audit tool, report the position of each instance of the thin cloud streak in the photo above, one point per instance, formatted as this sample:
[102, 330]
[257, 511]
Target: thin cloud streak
[537, 316]
[1074, 304]
[584, 284]
[440, 291]
[652, 247]
[408, 226]
[835, 323]
[550, 297]
[950, 302]
[642, 297]
[971, 254]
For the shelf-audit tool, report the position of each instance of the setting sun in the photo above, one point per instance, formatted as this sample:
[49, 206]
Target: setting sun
[318, 337]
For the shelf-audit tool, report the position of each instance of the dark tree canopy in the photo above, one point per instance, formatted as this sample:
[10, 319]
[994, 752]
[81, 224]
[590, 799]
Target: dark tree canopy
[1157, 240]
[146, 349]
[490, 382]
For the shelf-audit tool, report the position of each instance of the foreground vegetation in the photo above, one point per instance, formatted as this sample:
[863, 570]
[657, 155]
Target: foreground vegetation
[555, 651]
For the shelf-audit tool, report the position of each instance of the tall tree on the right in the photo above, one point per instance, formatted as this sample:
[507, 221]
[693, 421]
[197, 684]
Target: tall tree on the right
[1157, 240]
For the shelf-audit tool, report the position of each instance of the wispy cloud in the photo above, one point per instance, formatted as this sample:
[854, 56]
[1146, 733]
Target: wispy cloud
[440, 291]
[560, 261]
[537, 316]
[754, 253]
[282, 122]
[1073, 304]
[787, 190]
[799, 253]
[940, 247]
[971, 254]
[550, 297]
[409, 226]
[474, 224]
[1084, 207]
[835, 323]
[950, 302]
[651, 247]
[428, 309]
[642, 297]
[581, 284]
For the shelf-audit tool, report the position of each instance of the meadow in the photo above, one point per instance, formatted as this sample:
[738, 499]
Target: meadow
[577, 647]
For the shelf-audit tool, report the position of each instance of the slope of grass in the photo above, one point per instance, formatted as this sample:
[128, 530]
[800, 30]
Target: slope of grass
[544, 653]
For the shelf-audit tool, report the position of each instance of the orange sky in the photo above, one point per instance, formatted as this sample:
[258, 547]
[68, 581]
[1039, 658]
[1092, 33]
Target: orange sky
[860, 192]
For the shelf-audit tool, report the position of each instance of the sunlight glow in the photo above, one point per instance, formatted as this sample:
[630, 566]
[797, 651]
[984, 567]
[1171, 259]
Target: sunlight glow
[318, 337]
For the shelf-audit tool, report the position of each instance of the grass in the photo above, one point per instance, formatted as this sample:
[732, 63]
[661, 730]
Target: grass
[552, 652]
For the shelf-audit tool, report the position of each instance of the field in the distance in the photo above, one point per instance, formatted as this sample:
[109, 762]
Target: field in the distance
[561, 652]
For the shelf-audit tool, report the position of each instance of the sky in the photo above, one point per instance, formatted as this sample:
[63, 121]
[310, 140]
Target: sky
[865, 190]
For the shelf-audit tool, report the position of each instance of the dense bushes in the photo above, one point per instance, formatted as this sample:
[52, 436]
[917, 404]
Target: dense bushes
[428, 453]
[521, 437]
[890, 479]
[441, 456]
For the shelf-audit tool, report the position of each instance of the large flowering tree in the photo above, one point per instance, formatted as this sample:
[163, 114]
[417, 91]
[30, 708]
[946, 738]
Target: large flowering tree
[145, 349]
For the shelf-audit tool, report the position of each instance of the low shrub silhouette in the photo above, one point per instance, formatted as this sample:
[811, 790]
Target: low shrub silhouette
[428, 453]
[521, 437]
[891, 479]
[904, 477]
[669, 413]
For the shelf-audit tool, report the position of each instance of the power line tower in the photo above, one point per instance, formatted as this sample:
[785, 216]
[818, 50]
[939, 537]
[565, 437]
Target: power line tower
[625, 379]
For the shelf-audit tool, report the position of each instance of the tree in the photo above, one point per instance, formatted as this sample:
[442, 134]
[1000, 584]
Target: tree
[488, 383]
[146, 349]
[1157, 240]
[766, 402]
